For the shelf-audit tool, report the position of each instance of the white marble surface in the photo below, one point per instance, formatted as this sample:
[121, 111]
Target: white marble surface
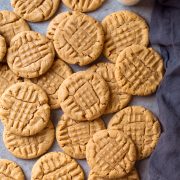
[145, 9]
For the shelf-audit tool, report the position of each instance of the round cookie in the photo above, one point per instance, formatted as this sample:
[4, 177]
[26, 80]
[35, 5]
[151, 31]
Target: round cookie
[139, 70]
[30, 54]
[7, 78]
[35, 10]
[118, 100]
[51, 81]
[3, 48]
[24, 109]
[11, 24]
[110, 154]
[133, 175]
[79, 39]
[122, 29]
[57, 165]
[83, 5]
[10, 170]
[73, 136]
[140, 125]
[84, 96]
[32, 146]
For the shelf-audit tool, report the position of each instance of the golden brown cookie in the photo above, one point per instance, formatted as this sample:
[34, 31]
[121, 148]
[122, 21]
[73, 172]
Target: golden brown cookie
[11, 24]
[139, 70]
[84, 96]
[3, 48]
[73, 136]
[54, 23]
[35, 10]
[83, 5]
[57, 165]
[10, 170]
[51, 81]
[7, 78]
[24, 109]
[32, 146]
[133, 175]
[140, 125]
[110, 154]
[122, 29]
[30, 54]
[79, 39]
[118, 100]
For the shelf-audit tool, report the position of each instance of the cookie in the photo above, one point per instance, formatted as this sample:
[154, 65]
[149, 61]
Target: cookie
[139, 70]
[72, 136]
[10, 170]
[110, 154]
[35, 10]
[11, 24]
[7, 78]
[133, 175]
[123, 29]
[79, 39]
[54, 23]
[84, 96]
[57, 165]
[83, 5]
[3, 48]
[24, 109]
[118, 100]
[51, 81]
[32, 146]
[140, 125]
[30, 54]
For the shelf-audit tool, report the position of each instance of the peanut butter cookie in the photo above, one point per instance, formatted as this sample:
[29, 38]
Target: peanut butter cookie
[57, 165]
[73, 136]
[11, 24]
[123, 29]
[118, 99]
[51, 81]
[32, 146]
[24, 109]
[140, 125]
[30, 54]
[79, 39]
[139, 70]
[110, 154]
[83, 5]
[10, 170]
[35, 10]
[84, 96]
[3, 48]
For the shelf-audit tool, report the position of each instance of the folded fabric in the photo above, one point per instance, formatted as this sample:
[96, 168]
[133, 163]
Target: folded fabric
[165, 31]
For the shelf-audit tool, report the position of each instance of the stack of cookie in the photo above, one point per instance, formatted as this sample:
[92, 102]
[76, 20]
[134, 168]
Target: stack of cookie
[37, 79]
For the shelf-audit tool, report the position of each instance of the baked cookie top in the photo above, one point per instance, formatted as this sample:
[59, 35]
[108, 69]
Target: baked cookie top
[30, 54]
[83, 5]
[139, 70]
[140, 125]
[35, 10]
[84, 96]
[118, 99]
[24, 109]
[110, 154]
[73, 136]
[11, 24]
[60, 165]
[51, 81]
[123, 29]
[29, 147]
[10, 170]
[3, 48]
[79, 39]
